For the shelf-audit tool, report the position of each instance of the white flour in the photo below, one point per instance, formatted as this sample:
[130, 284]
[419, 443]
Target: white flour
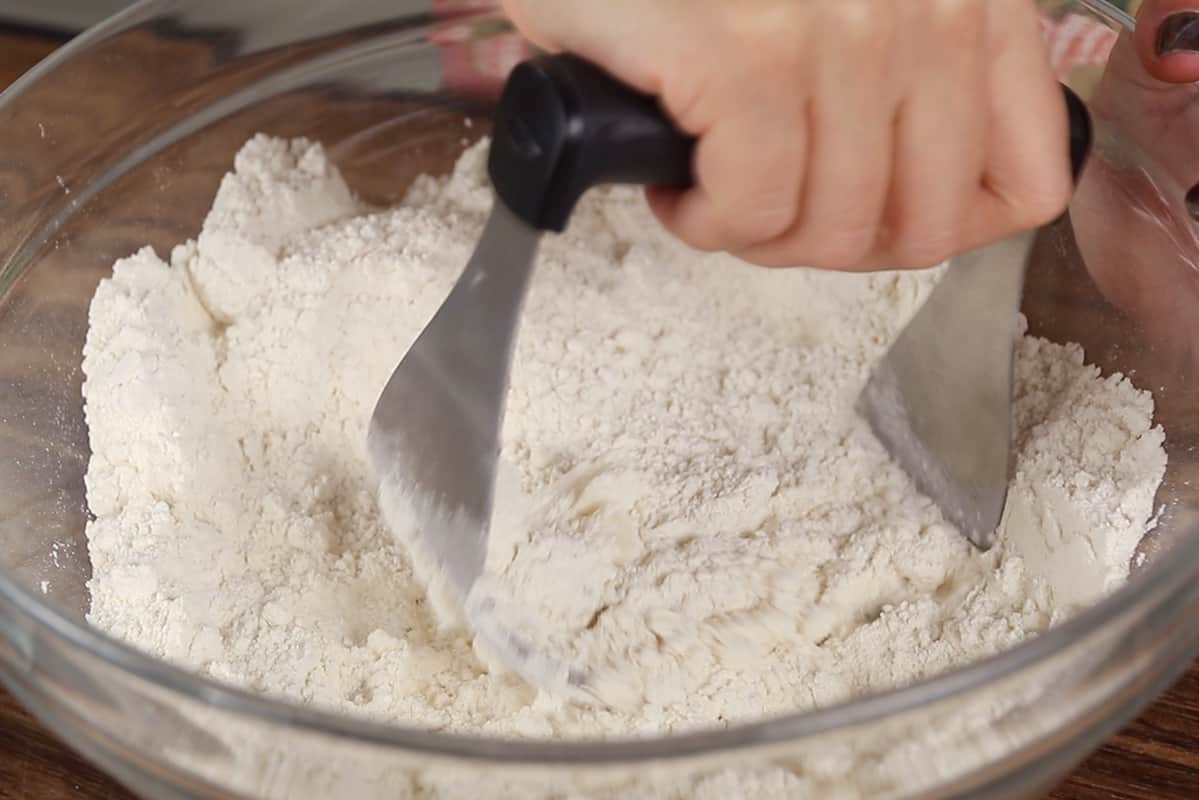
[700, 505]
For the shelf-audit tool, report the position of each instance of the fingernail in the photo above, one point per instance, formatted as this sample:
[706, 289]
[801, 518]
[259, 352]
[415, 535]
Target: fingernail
[1178, 33]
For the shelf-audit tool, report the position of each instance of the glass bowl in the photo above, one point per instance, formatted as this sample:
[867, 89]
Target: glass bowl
[119, 140]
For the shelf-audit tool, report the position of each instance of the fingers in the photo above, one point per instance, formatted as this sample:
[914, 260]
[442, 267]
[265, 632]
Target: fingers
[726, 74]
[744, 109]
[848, 125]
[843, 134]
[941, 145]
[1027, 179]
[748, 109]
[747, 169]
[1167, 39]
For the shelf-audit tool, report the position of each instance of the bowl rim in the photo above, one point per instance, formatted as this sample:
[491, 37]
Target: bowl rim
[1150, 587]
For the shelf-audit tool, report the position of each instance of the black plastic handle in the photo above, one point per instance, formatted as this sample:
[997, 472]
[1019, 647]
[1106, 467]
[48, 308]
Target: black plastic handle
[1080, 131]
[564, 126]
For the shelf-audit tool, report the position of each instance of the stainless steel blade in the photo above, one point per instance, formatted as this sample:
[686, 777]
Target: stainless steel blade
[940, 400]
[435, 434]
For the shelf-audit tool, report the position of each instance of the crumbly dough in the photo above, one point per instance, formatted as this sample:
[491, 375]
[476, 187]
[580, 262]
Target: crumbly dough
[690, 500]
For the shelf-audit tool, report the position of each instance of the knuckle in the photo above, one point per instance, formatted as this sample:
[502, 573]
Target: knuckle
[953, 15]
[756, 193]
[957, 25]
[1041, 202]
[761, 220]
[924, 248]
[755, 214]
[872, 33]
[694, 94]
[687, 99]
[845, 248]
[771, 42]
[703, 241]
[862, 29]
[703, 238]
[857, 18]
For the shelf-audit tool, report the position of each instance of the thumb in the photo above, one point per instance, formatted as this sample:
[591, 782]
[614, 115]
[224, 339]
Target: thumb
[624, 37]
[1167, 39]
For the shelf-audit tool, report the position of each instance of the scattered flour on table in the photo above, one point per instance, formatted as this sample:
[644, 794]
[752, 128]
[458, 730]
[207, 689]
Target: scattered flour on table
[696, 499]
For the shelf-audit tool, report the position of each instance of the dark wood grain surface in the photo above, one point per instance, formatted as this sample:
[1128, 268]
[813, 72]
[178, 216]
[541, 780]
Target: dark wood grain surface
[33, 764]
[1154, 758]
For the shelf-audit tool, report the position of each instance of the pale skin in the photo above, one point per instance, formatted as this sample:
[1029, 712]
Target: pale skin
[846, 134]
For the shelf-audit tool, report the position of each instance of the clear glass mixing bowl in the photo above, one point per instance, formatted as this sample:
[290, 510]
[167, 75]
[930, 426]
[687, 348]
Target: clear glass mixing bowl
[119, 140]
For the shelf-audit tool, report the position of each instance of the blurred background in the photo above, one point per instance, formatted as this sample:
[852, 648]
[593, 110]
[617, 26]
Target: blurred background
[71, 16]
[65, 16]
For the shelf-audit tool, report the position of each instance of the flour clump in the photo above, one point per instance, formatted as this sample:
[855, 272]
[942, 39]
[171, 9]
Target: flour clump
[695, 500]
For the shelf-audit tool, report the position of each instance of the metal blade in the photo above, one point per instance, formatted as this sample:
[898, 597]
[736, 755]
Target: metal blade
[940, 400]
[434, 440]
[434, 436]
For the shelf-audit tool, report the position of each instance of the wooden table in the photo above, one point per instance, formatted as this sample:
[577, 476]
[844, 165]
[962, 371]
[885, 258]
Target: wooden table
[1154, 758]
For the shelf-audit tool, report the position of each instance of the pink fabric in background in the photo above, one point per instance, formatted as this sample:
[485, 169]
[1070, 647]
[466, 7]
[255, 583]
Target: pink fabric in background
[1076, 41]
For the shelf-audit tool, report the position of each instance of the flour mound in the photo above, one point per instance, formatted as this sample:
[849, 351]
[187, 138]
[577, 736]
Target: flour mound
[693, 504]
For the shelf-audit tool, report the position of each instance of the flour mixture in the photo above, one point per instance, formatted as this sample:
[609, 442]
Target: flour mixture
[687, 497]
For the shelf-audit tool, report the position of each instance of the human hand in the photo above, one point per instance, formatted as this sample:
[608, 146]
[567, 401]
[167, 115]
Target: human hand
[844, 134]
[1132, 221]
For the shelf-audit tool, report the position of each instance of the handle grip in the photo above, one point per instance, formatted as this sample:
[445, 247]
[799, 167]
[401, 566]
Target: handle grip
[564, 125]
[1080, 131]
